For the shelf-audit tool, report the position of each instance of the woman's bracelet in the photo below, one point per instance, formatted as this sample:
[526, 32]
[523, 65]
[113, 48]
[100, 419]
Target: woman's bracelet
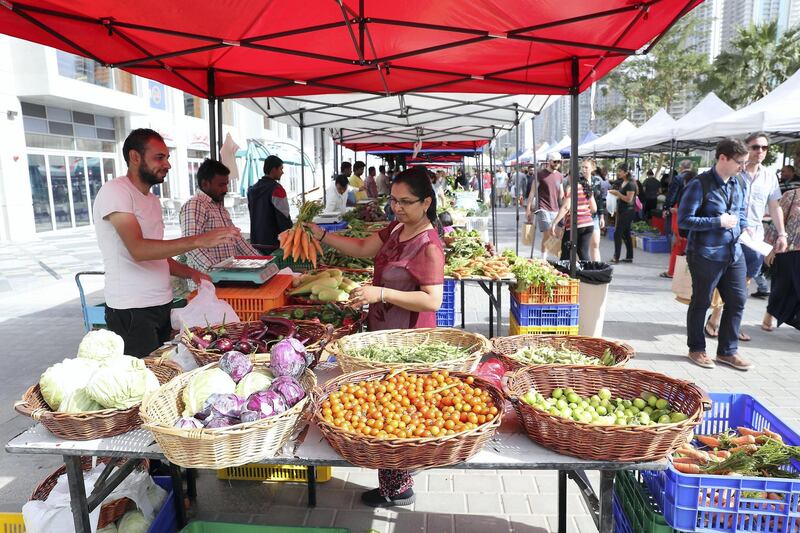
[324, 234]
[383, 300]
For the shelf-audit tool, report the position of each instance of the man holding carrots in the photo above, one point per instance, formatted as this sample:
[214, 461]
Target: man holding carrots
[269, 206]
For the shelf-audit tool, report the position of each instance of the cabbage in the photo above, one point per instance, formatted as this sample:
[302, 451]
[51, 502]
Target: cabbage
[249, 416]
[78, 401]
[201, 386]
[289, 388]
[101, 344]
[133, 522]
[285, 360]
[118, 387]
[266, 403]
[222, 422]
[235, 364]
[124, 362]
[64, 377]
[188, 423]
[300, 348]
[253, 382]
[156, 495]
[225, 405]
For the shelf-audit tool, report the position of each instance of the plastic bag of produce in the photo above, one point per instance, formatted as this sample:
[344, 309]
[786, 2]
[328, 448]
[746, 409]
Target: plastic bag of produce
[133, 522]
[203, 309]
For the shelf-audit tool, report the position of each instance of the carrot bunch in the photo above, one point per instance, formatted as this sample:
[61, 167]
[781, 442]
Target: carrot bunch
[297, 242]
[744, 452]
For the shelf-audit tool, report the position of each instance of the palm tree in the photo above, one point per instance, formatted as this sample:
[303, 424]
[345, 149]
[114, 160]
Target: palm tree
[757, 61]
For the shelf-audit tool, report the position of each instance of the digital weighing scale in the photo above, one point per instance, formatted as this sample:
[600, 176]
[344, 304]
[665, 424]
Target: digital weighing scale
[244, 269]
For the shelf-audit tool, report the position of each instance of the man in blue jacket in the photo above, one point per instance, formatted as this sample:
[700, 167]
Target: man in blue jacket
[712, 209]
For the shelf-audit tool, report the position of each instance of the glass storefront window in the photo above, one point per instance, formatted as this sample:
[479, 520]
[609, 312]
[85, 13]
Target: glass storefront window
[40, 196]
[80, 198]
[59, 189]
[95, 177]
[109, 172]
[193, 106]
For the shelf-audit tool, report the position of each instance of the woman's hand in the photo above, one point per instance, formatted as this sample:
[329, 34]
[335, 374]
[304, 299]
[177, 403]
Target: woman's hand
[316, 231]
[770, 258]
[365, 295]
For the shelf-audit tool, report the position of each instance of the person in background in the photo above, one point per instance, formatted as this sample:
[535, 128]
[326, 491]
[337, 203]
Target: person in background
[445, 223]
[461, 180]
[624, 215]
[650, 189]
[679, 235]
[713, 209]
[407, 286]
[371, 184]
[384, 181]
[138, 261]
[589, 169]
[784, 300]
[269, 206]
[545, 196]
[336, 196]
[206, 211]
[357, 182]
[501, 187]
[789, 178]
[673, 193]
[585, 223]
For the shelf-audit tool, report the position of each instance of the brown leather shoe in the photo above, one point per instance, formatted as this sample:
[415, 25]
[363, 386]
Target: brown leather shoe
[701, 359]
[735, 361]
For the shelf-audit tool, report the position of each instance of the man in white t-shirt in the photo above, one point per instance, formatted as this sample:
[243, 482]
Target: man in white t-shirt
[336, 195]
[501, 187]
[138, 261]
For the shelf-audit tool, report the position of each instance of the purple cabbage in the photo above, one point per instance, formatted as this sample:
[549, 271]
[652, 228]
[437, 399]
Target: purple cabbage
[289, 388]
[222, 422]
[188, 423]
[205, 414]
[266, 403]
[285, 360]
[229, 405]
[249, 416]
[236, 364]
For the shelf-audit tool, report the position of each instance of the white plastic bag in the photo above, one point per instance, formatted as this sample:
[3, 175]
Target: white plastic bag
[204, 309]
[611, 204]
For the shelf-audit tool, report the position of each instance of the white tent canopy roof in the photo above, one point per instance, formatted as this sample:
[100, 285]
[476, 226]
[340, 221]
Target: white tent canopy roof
[612, 138]
[653, 130]
[541, 154]
[777, 114]
[367, 118]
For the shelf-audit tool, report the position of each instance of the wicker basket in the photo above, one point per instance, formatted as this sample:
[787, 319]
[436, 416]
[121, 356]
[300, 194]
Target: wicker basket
[219, 447]
[94, 424]
[338, 333]
[109, 511]
[317, 335]
[606, 443]
[475, 345]
[506, 347]
[405, 454]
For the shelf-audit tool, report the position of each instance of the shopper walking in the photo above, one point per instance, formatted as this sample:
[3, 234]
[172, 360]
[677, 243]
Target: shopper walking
[784, 300]
[584, 225]
[626, 196]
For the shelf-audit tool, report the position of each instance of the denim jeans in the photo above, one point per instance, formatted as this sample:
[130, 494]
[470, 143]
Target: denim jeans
[729, 279]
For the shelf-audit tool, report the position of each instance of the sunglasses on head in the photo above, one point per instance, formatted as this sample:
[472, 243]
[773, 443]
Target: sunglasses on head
[761, 147]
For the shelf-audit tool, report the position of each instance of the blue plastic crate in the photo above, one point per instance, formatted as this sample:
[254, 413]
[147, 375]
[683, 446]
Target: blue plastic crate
[545, 315]
[339, 226]
[610, 232]
[445, 318]
[166, 520]
[446, 315]
[621, 522]
[656, 245]
[727, 504]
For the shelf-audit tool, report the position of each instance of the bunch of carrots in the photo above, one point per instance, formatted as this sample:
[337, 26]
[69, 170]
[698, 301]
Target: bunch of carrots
[745, 452]
[297, 242]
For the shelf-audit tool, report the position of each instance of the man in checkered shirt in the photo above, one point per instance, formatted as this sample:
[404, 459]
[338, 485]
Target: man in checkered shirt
[206, 211]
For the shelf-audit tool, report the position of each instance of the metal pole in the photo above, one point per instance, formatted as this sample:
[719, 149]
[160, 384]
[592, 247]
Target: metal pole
[535, 177]
[493, 195]
[212, 116]
[219, 128]
[302, 159]
[573, 169]
[322, 156]
[785, 147]
[516, 177]
[480, 178]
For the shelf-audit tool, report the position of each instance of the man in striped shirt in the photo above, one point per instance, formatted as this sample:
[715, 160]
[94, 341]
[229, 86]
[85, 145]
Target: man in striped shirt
[206, 211]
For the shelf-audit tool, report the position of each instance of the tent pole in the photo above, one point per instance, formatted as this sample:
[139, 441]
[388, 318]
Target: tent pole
[219, 128]
[673, 155]
[322, 156]
[785, 147]
[516, 176]
[302, 159]
[493, 194]
[573, 168]
[212, 116]
[535, 177]
[480, 178]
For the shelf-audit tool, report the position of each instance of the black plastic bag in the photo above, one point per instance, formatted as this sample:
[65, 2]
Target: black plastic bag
[591, 272]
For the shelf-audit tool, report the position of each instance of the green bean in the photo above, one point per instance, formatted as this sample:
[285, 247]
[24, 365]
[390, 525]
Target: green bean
[431, 352]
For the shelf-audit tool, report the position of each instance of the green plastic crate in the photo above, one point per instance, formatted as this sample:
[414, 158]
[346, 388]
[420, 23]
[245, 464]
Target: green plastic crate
[296, 266]
[221, 527]
[639, 506]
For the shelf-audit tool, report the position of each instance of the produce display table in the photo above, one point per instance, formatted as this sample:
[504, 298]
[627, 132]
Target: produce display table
[509, 449]
[493, 289]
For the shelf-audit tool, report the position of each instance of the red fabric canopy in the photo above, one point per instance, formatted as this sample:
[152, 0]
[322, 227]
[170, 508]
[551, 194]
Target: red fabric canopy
[442, 145]
[262, 48]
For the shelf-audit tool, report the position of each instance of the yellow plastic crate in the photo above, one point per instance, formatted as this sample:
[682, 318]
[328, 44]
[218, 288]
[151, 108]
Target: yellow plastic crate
[259, 472]
[12, 523]
[516, 329]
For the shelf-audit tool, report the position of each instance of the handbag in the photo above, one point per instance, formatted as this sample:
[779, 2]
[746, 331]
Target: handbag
[638, 204]
[682, 280]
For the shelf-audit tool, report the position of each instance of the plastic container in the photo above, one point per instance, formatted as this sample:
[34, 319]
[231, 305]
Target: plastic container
[515, 329]
[656, 245]
[545, 315]
[728, 504]
[259, 472]
[610, 232]
[536, 294]
[296, 266]
[252, 302]
[621, 522]
[641, 509]
[166, 520]
[479, 224]
[446, 315]
[12, 523]
[338, 226]
[221, 527]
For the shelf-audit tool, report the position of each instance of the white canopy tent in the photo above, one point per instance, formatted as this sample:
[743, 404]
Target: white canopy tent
[611, 139]
[777, 114]
[527, 157]
[565, 141]
[707, 110]
[651, 131]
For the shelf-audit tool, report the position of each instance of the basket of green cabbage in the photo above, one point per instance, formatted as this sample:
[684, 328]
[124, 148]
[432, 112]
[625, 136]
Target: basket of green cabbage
[96, 394]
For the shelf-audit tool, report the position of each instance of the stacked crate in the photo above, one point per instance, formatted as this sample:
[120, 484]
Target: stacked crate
[446, 315]
[536, 311]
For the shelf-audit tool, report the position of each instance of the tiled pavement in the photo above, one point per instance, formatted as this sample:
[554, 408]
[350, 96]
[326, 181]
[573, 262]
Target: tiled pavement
[40, 323]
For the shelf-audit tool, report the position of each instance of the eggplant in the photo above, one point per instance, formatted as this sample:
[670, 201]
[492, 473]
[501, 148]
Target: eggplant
[244, 346]
[280, 324]
[223, 344]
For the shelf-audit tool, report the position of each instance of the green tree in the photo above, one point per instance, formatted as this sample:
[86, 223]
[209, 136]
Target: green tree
[757, 61]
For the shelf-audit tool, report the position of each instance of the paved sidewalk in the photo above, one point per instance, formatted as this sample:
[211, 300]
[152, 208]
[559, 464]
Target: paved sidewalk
[40, 322]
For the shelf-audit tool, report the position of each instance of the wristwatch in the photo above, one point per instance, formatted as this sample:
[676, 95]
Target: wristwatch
[783, 234]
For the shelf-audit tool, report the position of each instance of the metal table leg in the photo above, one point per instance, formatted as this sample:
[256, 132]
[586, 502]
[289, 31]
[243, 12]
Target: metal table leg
[177, 487]
[491, 309]
[311, 472]
[562, 501]
[463, 309]
[499, 300]
[191, 483]
[77, 494]
[606, 524]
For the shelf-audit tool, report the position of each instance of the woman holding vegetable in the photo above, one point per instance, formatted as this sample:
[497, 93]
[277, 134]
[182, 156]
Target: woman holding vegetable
[407, 286]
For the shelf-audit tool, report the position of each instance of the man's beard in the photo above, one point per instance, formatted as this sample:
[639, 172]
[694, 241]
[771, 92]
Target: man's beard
[148, 177]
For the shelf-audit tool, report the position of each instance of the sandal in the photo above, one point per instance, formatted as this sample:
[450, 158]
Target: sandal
[711, 331]
[735, 361]
[744, 336]
[665, 275]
